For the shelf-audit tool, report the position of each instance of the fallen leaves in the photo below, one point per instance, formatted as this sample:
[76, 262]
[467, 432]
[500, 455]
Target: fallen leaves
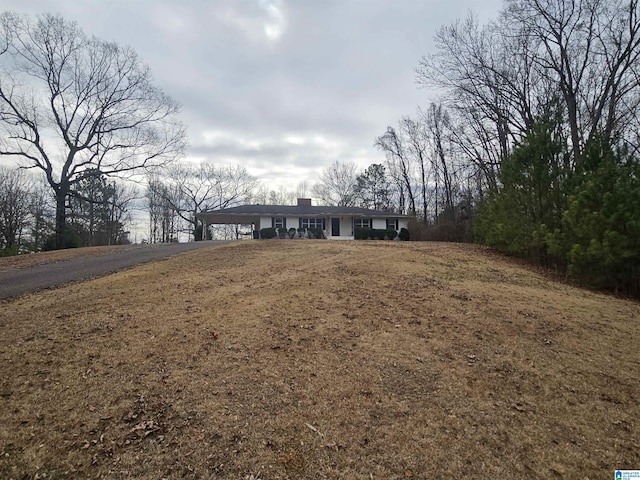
[146, 428]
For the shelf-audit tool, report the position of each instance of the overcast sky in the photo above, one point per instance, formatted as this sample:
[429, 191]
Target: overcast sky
[283, 87]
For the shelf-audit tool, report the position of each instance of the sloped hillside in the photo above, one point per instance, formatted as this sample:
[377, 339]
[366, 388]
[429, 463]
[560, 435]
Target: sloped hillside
[320, 359]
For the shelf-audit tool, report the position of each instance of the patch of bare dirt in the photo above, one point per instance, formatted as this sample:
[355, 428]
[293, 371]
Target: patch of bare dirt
[320, 359]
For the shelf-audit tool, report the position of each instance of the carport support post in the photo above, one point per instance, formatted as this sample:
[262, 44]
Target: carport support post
[204, 230]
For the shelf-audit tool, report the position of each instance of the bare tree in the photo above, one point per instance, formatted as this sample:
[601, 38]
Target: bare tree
[75, 106]
[336, 185]
[15, 188]
[42, 212]
[124, 196]
[487, 84]
[438, 125]
[417, 146]
[262, 194]
[302, 189]
[578, 55]
[281, 196]
[592, 47]
[164, 221]
[400, 164]
[207, 187]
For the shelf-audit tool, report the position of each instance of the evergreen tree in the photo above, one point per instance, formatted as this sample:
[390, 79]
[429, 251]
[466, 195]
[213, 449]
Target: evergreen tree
[529, 202]
[96, 213]
[373, 189]
[600, 232]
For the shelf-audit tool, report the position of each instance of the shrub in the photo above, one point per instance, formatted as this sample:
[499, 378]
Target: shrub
[268, 233]
[404, 234]
[316, 233]
[282, 232]
[362, 233]
[71, 240]
[9, 251]
[441, 231]
[374, 234]
[390, 233]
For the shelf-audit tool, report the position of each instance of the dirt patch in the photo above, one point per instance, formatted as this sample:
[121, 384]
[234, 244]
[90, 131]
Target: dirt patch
[320, 359]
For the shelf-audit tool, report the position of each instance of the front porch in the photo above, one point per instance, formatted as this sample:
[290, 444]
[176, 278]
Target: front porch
[331, 237]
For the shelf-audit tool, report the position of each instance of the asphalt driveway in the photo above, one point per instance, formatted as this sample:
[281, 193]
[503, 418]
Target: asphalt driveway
[16, 282]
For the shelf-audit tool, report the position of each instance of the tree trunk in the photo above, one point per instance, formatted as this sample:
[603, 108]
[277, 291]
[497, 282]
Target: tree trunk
[194, 225]
[62, 191]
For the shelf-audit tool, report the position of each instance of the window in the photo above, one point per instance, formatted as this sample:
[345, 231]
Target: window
[362, 223]
[392, 224]
[312, 223]
[279, 222]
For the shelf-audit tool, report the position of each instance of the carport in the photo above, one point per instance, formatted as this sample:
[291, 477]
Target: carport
[227, 218]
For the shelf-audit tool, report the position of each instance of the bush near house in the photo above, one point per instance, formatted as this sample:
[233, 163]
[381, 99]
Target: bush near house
[362, 233]
[375, 234]
[316, 233]
[390, 233]
[269, 232]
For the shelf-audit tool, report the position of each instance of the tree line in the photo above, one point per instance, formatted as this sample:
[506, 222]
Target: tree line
[531, 146]
[78, 110]
[537, 132]
[84, 113]
[85, 121]
[101, 210]
[97, 213]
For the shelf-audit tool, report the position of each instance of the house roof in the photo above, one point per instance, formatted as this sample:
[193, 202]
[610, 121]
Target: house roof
[245, 213]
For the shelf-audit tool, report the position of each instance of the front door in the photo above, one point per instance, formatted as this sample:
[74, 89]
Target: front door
[335, 227]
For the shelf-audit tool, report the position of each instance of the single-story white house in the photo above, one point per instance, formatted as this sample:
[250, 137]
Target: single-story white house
[338, 223]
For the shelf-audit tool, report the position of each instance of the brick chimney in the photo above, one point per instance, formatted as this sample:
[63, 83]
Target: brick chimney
[304, 202]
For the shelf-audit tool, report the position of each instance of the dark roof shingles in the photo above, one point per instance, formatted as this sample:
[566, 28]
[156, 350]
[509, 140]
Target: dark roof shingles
[275, 210]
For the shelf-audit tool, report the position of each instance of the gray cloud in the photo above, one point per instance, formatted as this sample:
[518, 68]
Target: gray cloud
[282, 87]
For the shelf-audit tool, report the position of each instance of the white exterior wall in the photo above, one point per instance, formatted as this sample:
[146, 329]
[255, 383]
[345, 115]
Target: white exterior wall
[379, 223]
[346, 224]
[292, 222]
[265, 222]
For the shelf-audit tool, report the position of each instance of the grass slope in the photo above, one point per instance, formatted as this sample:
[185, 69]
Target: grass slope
[319, 359]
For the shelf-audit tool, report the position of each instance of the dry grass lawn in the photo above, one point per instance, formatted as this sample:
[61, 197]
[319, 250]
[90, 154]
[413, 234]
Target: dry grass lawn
[320, 359]
[41, 258]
